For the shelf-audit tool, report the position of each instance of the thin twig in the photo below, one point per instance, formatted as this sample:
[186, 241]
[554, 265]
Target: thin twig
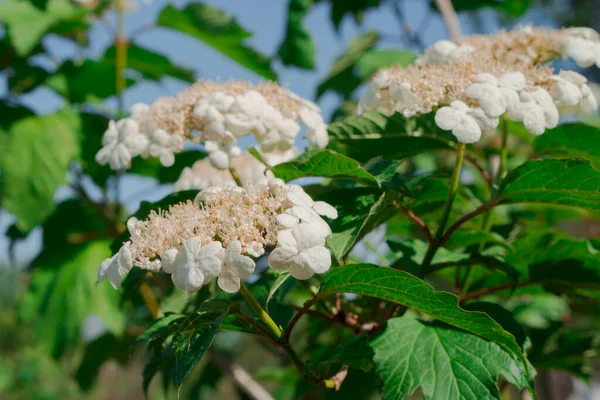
[416, 219]
[241, 377]
[483, 208]
[411, 36]
[450, 18]
[485, 291]
[484, 173]
[330, 318]
[299, 314]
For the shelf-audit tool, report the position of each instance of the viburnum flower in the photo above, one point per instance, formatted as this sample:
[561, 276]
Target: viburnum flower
[121, 142]
[583, 46]
[217, 115]
[473, 82]
[235, 266]
[302, 251]
[215, 236]
[466, 123]
[196, 266]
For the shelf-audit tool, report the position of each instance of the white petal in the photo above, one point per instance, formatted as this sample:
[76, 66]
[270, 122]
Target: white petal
[566, 92]
[301, 212]
[467, 130]
[316, 258]
[229, 282]
[490, 98]
[300, 270]
[132, 227]
[193, 280]
[307, 236]
[120, 158]
[533, 119]
[287, 220]
[281, 257]
[219, 159]
[512, 80]
[168, 260]
[447, 118]
[210, 267]
[325, 209]
[124, 260]
[103, 270]
[485, 122]
[167, 158]
[588, 104]
[114, 276]
[300, 198]
[286, 239]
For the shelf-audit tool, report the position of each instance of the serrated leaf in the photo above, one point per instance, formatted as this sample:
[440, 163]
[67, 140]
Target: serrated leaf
[161, 327]
[572, 182]
[406, 289]
[388, 177]
[444, 363]
[323, 163]
[297, 48]
[353, 352]
[359, 209]
[192, 336]
[502, 316]
[150, 64]
[64, 291]
[218, 30]
[569, 141]
[38, 153]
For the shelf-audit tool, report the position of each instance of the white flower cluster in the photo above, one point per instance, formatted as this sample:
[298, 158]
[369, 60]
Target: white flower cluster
[217, 236]
[471, 85]
[203, 175]
[216, 115]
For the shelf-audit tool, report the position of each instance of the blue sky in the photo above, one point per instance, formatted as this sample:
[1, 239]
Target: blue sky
[266, 19]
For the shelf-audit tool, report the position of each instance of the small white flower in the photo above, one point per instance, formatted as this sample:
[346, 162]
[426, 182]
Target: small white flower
[404, 100]
[445, 51]
[235, 266]
[496, 95]
[302, 251]
[164, 146]
[465, 122]
[116, 266]
[301, 214]
[537, 111]
[298, 197]
[571, 89]
[372, 97]
[317, 129]
[583, 46]
[220, 154]
[255, 249]
[196, 266]
[122, 141]
[138, 109]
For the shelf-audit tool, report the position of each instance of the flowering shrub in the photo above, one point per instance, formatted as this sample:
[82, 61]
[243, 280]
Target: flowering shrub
[441, 247]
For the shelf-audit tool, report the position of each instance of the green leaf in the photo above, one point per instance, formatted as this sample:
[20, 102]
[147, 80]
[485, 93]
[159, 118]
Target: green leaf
[445, 363]
[323, 163]
[353, 352]
[569, 141]
[153, 66]
[388, 177]
[572, 182]
[25, 77]
[64, 291]
[406, 289]
[502, 316]
[359, 210]
[192, 336]
[297, 48]
[374, 124]
[27, 24]
[70, 223]
[35, 163]
[92, 81]
[511, 8]
[341, 78]
[218, 30]
[572, 352]
[281, 279]
[160, 328]
[355, 8]
[373, 60]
